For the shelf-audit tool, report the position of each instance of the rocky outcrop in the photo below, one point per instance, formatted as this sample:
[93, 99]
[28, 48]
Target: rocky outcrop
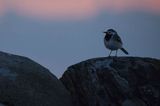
[26, 83]
[122, 81]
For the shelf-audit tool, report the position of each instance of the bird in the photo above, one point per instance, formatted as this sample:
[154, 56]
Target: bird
[113, 41]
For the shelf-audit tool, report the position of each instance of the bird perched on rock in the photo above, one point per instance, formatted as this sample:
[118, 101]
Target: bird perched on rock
[113, 42]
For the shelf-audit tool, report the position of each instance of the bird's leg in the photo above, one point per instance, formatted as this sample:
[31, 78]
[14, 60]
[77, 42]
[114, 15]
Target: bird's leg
[116, 53]
[110, 53]
[115, 59]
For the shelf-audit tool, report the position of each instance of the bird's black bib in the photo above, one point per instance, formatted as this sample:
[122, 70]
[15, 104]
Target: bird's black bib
[108, 37]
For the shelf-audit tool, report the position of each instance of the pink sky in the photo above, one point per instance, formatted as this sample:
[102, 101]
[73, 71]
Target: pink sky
[74, 8]
[2, 6]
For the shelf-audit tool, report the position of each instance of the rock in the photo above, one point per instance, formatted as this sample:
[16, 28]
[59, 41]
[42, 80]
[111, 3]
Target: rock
[121, 81]
[26, 83]
[2, 104]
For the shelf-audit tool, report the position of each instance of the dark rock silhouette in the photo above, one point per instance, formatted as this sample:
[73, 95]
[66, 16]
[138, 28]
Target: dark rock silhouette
[26, 83]
[121, 81]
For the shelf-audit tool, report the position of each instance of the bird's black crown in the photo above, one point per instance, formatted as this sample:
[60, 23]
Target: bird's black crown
[110, 30]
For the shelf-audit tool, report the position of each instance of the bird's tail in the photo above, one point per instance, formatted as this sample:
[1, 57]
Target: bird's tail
[125, 51]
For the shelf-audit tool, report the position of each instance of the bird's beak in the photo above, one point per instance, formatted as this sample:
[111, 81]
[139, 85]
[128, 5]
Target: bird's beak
[105, 32]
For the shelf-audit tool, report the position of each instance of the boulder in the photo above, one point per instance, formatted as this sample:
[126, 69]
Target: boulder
[24, 82]
[111, 81]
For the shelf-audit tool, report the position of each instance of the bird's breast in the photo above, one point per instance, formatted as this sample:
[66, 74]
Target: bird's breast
[112, 45]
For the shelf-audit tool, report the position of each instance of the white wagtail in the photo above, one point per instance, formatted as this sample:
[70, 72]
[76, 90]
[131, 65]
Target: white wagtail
[113, 42]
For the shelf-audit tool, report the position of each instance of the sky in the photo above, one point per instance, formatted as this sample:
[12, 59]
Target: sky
[60, 33]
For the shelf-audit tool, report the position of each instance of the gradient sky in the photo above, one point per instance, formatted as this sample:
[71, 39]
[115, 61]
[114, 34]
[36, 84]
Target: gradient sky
[59, 33]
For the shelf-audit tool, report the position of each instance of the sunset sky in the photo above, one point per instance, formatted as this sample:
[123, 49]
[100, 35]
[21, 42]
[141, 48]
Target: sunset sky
[52, 9]
[59, 33]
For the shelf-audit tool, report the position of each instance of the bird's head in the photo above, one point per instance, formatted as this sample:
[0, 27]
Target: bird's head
[110, 32]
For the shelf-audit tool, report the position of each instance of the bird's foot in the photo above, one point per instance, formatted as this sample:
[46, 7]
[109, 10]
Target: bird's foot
[109, 57]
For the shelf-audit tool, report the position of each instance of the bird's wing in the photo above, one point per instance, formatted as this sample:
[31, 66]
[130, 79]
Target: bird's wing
[117, 38]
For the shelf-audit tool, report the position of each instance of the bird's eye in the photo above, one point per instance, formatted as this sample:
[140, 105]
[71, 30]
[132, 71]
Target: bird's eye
[109, 32]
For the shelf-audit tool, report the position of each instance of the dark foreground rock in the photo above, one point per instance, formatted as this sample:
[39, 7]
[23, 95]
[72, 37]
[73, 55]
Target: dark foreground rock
[26, 83]
[125, 81]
